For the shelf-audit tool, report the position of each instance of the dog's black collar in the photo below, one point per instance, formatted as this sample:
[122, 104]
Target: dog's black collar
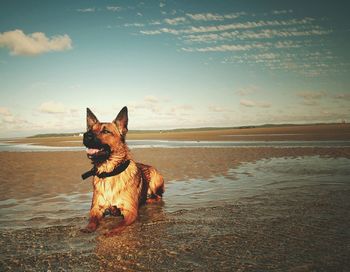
[116, 171]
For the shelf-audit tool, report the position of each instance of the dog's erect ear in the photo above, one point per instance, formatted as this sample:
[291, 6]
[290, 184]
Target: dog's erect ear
[121, 121]
[90, 119]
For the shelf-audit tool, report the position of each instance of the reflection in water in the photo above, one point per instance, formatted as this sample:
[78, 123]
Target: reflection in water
[257, 178]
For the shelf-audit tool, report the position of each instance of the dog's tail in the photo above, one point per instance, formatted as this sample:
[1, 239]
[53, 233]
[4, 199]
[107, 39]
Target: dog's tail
[153, 179]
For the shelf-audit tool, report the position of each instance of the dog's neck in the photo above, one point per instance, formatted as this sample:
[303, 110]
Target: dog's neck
[119, 168]
[119, 154]
[118, 158]
[111, 163]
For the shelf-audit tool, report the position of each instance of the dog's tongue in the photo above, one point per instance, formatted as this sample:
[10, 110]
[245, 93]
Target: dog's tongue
[92, 151]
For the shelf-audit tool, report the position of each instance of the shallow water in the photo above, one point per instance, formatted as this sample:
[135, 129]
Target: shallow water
[248, 180]
[11, 147]
[252, 218]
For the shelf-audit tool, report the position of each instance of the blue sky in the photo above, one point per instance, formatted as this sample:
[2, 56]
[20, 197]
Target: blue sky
[175, 64]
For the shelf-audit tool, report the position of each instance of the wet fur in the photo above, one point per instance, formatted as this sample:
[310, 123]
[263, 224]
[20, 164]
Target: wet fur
[125, 192]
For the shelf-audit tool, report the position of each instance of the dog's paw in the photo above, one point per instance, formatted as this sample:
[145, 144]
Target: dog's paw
[88, 229]
[153, 198]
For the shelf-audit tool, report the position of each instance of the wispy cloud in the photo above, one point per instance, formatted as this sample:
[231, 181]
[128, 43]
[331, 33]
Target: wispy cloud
[311, 95]
[151, 99]
[181, 108]
[214, 16]
[11, 121]
[243, 91]
[219, 109]
[85, 10]
[52, 107]
[253, 103]
[5, 111]
[282, 11]
[262, 34]
[225, 48]
[113, 8]
[311, 98]
[236, 26]
[134, 25]
[33, 44]
[342, 96]
[276, 40]
[246, 46]
[175, 21]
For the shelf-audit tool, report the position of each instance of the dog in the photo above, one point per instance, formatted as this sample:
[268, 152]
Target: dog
[120, 185]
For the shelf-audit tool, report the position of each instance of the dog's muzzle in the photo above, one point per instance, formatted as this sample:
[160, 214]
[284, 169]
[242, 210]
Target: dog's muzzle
[96, 151]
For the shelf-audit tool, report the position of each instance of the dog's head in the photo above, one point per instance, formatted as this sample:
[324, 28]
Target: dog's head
[104, 139]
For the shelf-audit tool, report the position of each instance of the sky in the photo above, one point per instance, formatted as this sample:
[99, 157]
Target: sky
[175, 64]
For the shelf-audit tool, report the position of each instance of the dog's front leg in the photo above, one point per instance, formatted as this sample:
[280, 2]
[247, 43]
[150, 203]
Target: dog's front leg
[129, 217]
[96, 215]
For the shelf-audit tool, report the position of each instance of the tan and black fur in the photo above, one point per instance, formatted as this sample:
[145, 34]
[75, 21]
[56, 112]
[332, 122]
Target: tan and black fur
[125, 192]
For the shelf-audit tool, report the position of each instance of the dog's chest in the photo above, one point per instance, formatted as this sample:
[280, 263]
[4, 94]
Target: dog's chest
[112, 191]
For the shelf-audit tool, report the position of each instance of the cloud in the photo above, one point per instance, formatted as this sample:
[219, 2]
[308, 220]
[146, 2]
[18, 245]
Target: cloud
[175, 21]
[9, 121]
[5, 112]
[87, 10]
[113, 8]
[150, 32]
[262, 34]
[214, 16]
[276, 40]
[311, 98]
[52, 107]
[311, 95]
[181, 108]
[149, 103]
[228, 47]
[247, 103]
[33, 44]
[283, 11]
[342, 96]
[214, 108]
[134, 25]
[252, 103]
[246, 90]
[237, 26]
[151, 99]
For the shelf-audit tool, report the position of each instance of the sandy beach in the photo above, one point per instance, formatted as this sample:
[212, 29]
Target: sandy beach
[241, 106]
[201, 225]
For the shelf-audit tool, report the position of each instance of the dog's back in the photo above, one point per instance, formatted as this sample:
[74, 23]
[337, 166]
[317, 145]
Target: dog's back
[153, 181]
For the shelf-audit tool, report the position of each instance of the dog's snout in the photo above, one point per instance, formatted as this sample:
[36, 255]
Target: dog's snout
[88, 138]
[88, 135]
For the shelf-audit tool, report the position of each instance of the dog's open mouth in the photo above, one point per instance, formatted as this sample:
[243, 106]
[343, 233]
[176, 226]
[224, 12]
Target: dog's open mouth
[98, 153]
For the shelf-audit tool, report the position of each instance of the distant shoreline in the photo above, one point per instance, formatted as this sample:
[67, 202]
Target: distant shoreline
[177, 130]
[320, 132]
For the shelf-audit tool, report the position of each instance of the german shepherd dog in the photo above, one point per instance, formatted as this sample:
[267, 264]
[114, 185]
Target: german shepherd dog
[120, 185]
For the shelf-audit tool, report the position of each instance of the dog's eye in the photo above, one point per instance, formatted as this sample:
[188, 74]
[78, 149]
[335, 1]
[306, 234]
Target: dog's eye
[105, 131]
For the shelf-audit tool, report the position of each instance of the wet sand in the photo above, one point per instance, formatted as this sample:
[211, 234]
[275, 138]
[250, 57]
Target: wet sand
[287, 229]
[27, 174]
